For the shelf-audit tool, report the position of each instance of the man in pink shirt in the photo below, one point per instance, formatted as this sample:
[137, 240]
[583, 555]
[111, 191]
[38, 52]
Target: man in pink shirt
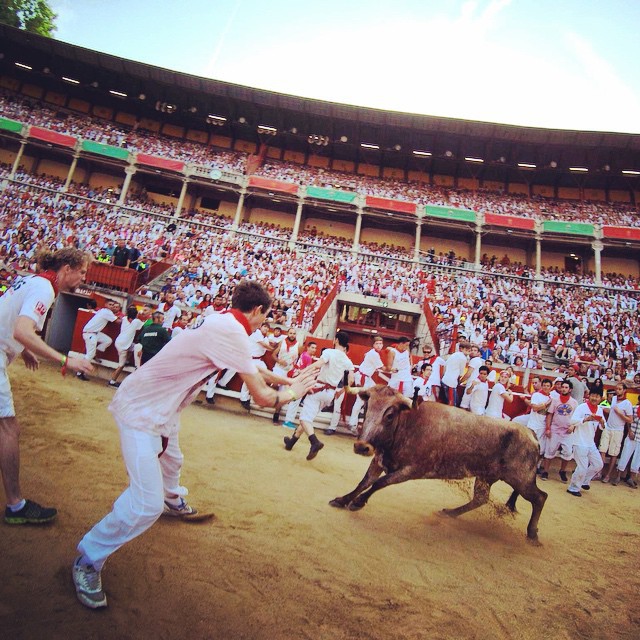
[147, 409]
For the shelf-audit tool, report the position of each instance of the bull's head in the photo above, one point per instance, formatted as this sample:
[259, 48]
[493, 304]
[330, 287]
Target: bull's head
[383, 409]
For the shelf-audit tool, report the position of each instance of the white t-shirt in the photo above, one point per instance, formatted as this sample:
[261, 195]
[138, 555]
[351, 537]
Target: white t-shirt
[256, 349]
[454, 368]
[336, 363]
[478, 400]
[372, 361]
[29, 296]
[151, 398]
[585, 432]
[99, 321]
[496, 401]
[537, 420]
[127, 333]
[170, 314]
[614, 421]
[474, 366]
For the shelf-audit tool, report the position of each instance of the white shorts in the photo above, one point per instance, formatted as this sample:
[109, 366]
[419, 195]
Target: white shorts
[314, 403]
[558, 444]
[7, 409]
[611, 442]
[123, 355]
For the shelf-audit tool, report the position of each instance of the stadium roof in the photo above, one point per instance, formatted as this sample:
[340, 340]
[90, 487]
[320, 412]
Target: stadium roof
[445, 146]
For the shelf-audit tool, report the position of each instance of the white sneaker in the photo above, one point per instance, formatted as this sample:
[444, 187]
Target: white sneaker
[88, 585]
[183, 510]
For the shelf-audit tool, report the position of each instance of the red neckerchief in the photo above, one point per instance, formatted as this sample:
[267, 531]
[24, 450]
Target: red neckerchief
[565, 399]
[286, 343]
[241, 318]
[592, 407]
[52, 277]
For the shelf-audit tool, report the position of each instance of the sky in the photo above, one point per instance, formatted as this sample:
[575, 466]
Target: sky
[564, 64]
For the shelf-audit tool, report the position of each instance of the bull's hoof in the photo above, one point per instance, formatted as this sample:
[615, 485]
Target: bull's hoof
[355, 506]
[534, 541]
[450, 513]
[337, 502]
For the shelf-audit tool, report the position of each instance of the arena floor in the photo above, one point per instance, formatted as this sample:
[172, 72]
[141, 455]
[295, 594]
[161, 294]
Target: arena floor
[277, 563]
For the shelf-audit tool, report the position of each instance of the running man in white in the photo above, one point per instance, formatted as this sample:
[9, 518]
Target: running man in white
[630, 452]
[23, 309]
[129, 325]
[94, 338]
[332, 364]
[147, 409]
[455, 372]
[399, 365]
[586, 418]
[286, 355]
[259, 345]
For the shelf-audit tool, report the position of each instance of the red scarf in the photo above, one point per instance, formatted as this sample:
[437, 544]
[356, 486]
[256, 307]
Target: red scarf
[565, 399]
[241, 318]
[52, 277]
[592, 407]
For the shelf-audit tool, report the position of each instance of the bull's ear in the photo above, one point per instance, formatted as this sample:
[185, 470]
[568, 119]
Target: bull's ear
[404, 405]
[364, 394]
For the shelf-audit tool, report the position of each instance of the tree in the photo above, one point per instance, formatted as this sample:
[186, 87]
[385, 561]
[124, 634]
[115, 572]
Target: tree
[31, 15]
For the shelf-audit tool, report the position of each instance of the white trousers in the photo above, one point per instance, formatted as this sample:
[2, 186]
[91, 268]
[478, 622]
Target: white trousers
[95, 342]
[588, 463]
[367, 383]
[150, 480]
[630, 451]
[244, 392]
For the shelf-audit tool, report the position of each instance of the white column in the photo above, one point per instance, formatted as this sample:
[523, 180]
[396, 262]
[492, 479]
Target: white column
[130, 171]
[597, 247]
[356, 238]
[296, 224]
[478, 246]
[236, 219]
[72, 168]
[183, 193]
[538, 255]
[416, 248]
[16, 162]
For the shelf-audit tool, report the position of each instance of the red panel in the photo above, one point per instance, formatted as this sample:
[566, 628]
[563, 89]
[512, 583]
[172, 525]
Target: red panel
[161, 163]
[624, 233]
[391, 205]
[509, 221]
[273, 185]
[52, 137]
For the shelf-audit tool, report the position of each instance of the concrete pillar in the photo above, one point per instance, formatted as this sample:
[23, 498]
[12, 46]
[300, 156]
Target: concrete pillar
[236, 219]
[597, 247]
[130, 171]
[356, 238]
[183, 193]
[538, 255]
[296, 224]
[16, 162]
[416, 248]
[72, 168]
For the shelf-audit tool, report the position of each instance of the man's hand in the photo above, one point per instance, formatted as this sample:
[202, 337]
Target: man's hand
[30, 360]
[79, 364]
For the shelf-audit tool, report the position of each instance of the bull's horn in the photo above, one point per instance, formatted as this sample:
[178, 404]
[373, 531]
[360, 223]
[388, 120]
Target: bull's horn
[353, 390]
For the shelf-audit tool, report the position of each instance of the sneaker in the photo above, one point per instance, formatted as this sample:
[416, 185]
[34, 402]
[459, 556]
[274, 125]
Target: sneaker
[631, 483]
[288, 443]
[615, 482]
[605, 479]
[113, 383]
[289, 425]
[313, 451]
[246, 404]
[88, 585]
[31, 513]
[183, 510]
[577, 494]
[586, 487]
[329, 432]
[544, 475]
[563, 476]
[211, 400]
[81, 376]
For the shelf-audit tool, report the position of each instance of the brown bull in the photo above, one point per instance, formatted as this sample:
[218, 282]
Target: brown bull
[438, 441]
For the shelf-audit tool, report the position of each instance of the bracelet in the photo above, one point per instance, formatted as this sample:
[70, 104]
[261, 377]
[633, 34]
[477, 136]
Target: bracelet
[292, 393]
[63, 365]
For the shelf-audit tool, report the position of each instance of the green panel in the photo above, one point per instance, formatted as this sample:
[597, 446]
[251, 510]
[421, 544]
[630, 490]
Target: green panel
[105, 150]
[331, 194]
[576, 228]
[11, 125]
[450, 213]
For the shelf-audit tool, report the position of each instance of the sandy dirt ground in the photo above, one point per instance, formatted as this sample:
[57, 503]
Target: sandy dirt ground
[278, 563]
